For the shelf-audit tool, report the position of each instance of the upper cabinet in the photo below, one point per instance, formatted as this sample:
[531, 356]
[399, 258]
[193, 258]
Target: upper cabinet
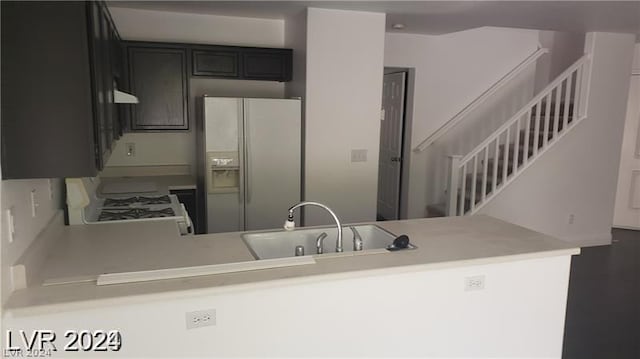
[159, 73]
[58, 114]
[216, 63]
[158, 77]
[243, 63]
[267, 64]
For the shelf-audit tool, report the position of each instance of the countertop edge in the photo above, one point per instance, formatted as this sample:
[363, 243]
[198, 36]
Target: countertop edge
[83, 304]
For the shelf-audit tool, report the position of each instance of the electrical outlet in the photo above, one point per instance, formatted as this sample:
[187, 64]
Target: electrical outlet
[131, 149]
[359, 155]
[34, 203]
[474, 283]
[11, 224]
[201, 318]
[572, 218]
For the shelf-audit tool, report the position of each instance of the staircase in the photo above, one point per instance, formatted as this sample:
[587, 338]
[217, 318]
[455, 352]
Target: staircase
[476, 178]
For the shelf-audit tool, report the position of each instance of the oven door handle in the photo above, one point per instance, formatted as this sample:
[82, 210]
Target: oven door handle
[187, 219]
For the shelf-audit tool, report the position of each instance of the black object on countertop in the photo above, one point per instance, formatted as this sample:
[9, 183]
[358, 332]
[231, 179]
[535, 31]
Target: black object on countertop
[401, 242]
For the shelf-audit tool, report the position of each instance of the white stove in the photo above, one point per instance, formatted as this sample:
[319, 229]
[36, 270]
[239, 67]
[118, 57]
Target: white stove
[85, 207]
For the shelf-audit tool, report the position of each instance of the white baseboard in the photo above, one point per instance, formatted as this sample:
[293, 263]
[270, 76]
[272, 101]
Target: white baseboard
[589, 240]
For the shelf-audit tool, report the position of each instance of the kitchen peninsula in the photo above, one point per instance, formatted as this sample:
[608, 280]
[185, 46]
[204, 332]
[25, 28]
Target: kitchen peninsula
[475, 286]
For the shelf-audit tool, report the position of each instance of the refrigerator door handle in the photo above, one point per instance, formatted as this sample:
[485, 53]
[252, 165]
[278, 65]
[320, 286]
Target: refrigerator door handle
[247, 154]
[242, 165]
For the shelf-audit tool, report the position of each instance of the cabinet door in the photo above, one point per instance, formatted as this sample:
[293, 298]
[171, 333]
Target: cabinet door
[267, 64]
[216, 63]
[99, 89]
[157, 76]
[47, 100]
[110, 113]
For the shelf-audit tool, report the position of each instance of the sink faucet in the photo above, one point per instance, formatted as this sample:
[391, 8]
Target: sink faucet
[357, 240]
[289, 225]
[319, 241]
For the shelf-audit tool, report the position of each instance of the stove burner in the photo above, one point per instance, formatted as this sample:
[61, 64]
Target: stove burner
[133, 201]
[165, 212]
[119, 202]
[154, 200]
[135, 213]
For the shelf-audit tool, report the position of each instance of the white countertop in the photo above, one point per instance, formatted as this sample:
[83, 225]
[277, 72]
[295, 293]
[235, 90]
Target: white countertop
[106, 248]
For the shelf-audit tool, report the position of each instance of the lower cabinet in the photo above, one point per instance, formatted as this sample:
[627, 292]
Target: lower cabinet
[188, 198]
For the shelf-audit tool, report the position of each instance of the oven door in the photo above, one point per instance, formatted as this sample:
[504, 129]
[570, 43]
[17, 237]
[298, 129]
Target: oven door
[184, 223]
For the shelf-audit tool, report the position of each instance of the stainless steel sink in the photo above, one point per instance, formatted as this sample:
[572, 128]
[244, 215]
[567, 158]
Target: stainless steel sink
[282, 244]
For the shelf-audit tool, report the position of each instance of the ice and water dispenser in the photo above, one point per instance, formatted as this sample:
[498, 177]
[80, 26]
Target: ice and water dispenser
[223, 174]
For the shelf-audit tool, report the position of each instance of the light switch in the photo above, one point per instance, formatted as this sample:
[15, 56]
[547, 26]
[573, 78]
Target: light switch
[131, 149]
[359, 155]
[11, 224]
[34, 203]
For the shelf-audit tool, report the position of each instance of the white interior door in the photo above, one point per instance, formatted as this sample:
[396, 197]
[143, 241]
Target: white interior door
[627, 210]
[272, 161]
[390, 161]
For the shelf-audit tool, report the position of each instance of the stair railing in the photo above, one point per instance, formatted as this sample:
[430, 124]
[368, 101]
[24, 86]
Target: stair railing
[480, 175]
[471, 107]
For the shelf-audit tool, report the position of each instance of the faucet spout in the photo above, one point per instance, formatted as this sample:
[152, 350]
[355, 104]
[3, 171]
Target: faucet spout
[289, 223]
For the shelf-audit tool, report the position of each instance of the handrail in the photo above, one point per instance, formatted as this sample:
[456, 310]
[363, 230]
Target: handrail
[480, 99]
[559, 79]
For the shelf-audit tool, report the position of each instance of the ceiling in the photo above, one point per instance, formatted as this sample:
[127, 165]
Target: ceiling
[437, 17]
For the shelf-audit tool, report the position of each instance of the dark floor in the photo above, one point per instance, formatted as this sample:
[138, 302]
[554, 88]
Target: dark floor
[603, 311]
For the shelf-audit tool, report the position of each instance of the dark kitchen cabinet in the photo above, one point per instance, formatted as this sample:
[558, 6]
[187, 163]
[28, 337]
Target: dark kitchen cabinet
[158, 77]
[216, 63]
[188, 198]
[267, 64]
[57, 89]
[243, 63]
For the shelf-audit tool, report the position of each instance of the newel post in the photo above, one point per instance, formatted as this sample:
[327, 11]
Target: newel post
[452, 185]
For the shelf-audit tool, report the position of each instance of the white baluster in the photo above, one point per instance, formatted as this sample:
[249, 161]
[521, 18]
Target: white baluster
[461, 208]
[527, 134]
[505, 161]
[485, 168]
[516, 153]
[556, 116]
[576, 95]
[454, 180]
[473, 182]
[567, 99]
[496, 160]
[547, 120]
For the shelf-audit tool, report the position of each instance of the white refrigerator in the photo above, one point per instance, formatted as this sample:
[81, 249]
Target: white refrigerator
[252, 162]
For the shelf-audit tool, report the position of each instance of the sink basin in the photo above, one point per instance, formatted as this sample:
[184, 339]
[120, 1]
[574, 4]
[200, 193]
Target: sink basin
[281, 244]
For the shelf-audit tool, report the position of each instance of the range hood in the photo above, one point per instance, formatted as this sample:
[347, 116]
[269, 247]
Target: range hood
[123, 97]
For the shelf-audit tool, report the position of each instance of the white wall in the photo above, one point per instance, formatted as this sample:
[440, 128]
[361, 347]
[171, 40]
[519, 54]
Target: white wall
[164, 26]
[295, 37]
[565, 47]
[345, 51]
[16, 194]
[451, 71]
[426, 314]
[625, 215]
[579, 174]
[178, 148]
